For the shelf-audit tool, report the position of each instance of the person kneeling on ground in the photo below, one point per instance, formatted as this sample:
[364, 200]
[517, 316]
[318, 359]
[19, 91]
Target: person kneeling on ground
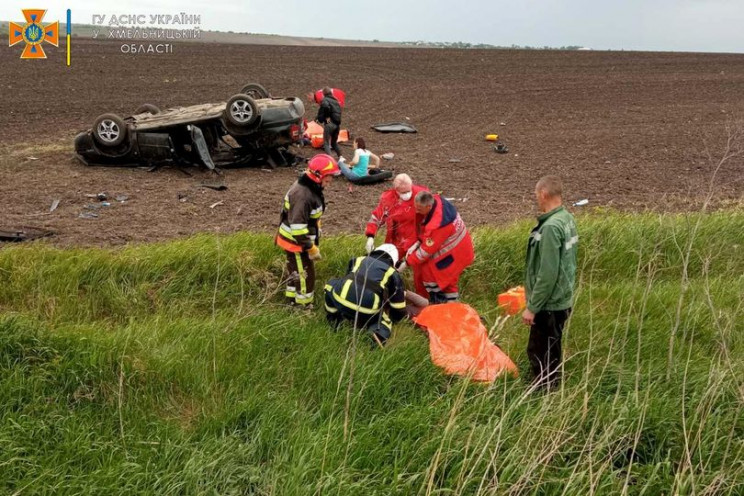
[359, 166]
[371, 295]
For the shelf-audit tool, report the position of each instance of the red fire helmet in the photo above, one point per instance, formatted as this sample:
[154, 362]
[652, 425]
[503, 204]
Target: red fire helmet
[321, 166]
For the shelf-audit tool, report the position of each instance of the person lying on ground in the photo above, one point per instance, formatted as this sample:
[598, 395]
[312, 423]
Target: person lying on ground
[359, 166]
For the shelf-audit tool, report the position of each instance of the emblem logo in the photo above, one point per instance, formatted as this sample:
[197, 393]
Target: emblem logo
[34, 34]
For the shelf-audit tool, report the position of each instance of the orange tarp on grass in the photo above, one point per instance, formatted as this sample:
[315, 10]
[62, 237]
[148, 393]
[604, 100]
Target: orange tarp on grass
[458, 342]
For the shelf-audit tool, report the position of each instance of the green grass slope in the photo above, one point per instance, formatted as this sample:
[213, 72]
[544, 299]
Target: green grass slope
[175, 369]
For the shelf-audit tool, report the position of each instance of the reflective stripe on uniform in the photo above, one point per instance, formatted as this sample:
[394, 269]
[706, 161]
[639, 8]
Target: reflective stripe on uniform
[302, 276]
[341, 298]
[386, 322]
[316, 213]
[352, 306]
[298, 229]
[286, 232]
[387, 276]
[398, 306]
[376, 305]
[451, 242]
[432, 287]
[421, 254]
[357, 264]
[304, 299]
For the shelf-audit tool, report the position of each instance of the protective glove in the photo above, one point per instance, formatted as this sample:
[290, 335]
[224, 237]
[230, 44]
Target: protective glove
[314, 253]
[402, 266]
[370, 244]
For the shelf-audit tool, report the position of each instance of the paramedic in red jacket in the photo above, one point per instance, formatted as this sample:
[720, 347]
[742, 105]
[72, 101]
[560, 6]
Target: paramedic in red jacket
[444, 249]
[396, 211]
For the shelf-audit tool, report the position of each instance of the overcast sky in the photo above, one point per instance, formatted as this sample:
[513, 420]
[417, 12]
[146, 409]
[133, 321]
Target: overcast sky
[678, 25]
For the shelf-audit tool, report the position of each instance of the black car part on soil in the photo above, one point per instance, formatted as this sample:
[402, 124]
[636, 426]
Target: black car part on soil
[394, 127]
[23, 234]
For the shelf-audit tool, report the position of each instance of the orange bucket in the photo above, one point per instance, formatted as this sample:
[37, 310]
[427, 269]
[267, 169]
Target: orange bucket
[513, 301]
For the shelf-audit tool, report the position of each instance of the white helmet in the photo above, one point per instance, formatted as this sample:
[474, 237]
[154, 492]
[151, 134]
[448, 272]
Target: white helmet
[390, 249]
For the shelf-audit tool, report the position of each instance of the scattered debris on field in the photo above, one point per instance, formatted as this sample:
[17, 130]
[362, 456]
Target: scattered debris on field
[23, 234]
[214, 186]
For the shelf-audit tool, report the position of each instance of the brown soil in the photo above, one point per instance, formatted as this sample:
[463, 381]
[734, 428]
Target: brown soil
[631, 131]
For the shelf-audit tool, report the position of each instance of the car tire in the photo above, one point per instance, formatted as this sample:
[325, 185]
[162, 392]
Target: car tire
[255, 91]
[241, 110]
[109, 130]
[147, 108]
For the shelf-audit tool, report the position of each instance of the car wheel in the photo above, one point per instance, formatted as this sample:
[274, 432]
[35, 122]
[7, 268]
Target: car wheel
[147, 108]
[241, 110]
[255, 91]
[109, 130]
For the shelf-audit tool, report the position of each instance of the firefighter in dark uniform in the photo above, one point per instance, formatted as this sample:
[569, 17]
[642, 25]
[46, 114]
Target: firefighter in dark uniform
[299, 227]
[329, 116]
[372, 295]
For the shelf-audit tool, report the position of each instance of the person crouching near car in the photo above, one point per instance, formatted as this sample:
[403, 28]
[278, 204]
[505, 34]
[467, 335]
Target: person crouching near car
[371, 295]
[360, 164]
[299, 227]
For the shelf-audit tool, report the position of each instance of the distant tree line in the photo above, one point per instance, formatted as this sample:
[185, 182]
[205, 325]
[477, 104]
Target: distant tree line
[462, 44]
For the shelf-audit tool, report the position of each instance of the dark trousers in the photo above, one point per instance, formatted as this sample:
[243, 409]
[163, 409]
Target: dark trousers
[301, 280]
[379, 325]
[544, 346]
[330, 138]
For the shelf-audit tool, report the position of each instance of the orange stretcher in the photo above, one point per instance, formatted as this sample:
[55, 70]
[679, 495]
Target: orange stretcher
[314, 133]
[458, 342]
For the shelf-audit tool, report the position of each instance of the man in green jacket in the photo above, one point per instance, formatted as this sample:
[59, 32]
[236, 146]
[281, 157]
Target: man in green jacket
[551, 272]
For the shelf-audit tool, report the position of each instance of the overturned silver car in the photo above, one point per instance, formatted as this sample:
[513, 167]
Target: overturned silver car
[251, 128]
